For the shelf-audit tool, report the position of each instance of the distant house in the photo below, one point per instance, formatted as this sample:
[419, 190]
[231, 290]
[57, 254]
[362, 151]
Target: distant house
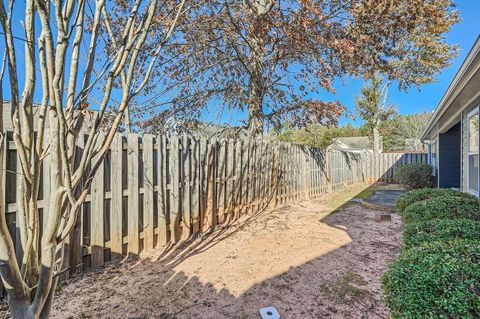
[178, 126]
[453, 131]
[354, 144]
[8, 126]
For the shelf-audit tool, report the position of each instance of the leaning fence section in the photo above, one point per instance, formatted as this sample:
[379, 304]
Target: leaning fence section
[154, 190]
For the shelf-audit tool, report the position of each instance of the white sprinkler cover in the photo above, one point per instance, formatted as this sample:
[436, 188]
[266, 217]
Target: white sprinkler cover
[269, 313]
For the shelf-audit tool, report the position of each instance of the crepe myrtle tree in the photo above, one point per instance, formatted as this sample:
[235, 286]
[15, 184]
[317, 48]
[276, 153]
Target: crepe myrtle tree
[71, 57]
[275, 59]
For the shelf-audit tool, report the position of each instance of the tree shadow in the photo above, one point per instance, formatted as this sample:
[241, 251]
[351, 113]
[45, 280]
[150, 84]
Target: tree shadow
[340, 283]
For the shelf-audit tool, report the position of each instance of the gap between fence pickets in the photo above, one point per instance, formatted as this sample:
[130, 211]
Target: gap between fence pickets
[165, 189]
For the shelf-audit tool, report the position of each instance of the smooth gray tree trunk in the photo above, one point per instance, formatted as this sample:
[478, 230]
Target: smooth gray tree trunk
[376, 140]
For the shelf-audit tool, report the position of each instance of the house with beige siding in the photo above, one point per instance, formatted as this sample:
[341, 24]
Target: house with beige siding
[453, 131]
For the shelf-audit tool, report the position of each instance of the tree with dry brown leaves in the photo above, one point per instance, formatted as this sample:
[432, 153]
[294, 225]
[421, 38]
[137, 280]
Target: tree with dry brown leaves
[274, 58]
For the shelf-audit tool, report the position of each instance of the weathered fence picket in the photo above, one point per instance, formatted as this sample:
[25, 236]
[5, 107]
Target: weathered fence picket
[153, 190]
[148, 192]
[133, 194]
[116, 212]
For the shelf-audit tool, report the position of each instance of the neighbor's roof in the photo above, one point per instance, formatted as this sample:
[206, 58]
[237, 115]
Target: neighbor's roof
[353, 143]
[463, 77]
[7, 121]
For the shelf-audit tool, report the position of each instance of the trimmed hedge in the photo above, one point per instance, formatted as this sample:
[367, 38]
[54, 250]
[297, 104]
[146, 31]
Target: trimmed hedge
[437, 274]
[417, 175]
[446, 207]
[417, 195]
[435, 280]
[416, 234]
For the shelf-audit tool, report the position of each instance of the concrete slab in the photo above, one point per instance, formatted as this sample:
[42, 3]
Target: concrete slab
[383, 199]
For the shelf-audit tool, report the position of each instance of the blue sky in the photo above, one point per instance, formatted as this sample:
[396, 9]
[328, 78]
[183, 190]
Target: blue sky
[463, 34]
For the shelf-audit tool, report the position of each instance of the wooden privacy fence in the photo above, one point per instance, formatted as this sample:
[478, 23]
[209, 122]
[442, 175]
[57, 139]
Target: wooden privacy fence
[153, 190]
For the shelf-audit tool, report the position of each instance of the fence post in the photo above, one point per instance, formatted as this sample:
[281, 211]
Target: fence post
[229, 176]
[18, 218]
[132, 219]
[244, 178]
[185, 187]
[148, 188]
[210, 216]
[162, 191]
[306, 160]
[237, 199]
[364, 167]
[276, 172]
[174, 190]
[221, 180]
[116, 189]
[97, 215]
[329, 168]
[204, 187]
[195, 178]
[250, 169]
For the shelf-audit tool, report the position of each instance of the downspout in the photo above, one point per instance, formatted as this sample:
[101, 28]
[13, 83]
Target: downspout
[462, 155]
[429, 154]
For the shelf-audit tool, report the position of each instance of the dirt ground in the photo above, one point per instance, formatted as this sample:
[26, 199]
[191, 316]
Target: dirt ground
[315, 259]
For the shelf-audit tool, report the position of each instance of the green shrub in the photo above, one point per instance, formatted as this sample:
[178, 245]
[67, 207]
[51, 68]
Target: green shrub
[417, 195]
[417, 175]
[446, 207]
[416, 234]
[435, 280]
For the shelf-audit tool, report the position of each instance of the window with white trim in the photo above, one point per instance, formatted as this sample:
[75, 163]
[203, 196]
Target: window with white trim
[472, 152]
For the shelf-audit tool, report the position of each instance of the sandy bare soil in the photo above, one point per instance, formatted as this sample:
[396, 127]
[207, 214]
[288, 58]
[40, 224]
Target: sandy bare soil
[313, 259]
